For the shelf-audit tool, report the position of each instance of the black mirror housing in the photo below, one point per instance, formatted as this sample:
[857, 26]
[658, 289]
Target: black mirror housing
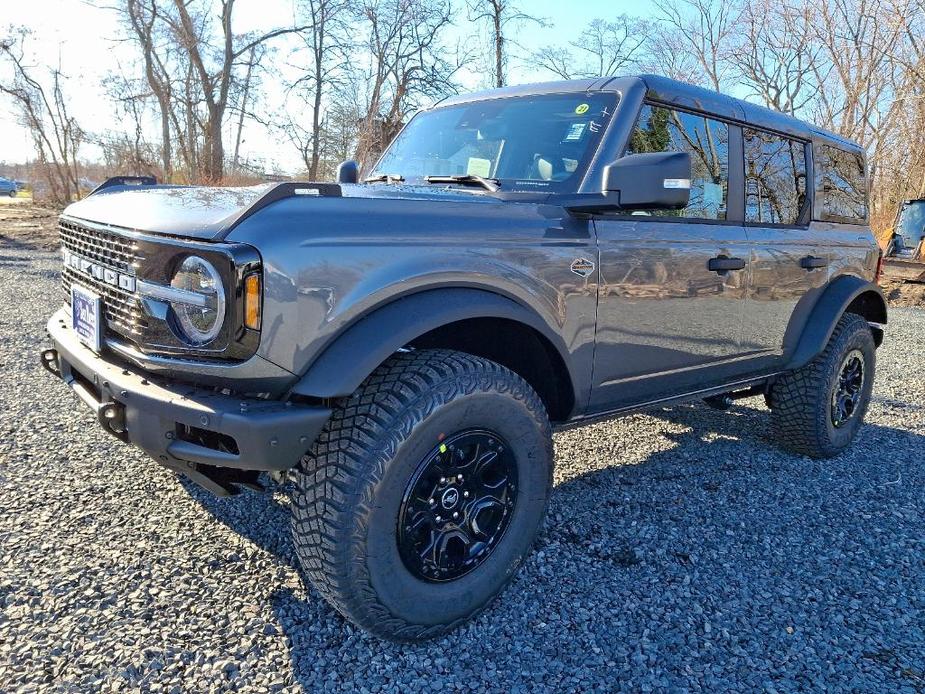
[348, 172]
[651, 181]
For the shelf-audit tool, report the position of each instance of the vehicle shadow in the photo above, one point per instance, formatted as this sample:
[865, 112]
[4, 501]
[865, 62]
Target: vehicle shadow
[717, 556]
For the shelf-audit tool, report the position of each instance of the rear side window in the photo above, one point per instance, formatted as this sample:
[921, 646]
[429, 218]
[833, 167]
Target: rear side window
[775, 178]
[667, 130]
[841, 185]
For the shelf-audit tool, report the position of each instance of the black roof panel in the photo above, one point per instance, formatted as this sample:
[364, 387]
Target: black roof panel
[672, 92]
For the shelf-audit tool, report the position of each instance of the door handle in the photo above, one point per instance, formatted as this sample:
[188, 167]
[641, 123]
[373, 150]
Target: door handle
[812, 262]
[723, 264]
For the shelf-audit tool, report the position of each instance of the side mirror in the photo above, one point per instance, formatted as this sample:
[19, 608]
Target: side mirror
[348, 172]
[652, 181]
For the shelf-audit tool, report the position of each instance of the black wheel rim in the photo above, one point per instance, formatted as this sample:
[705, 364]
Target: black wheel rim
[457, 505]
[848, 389]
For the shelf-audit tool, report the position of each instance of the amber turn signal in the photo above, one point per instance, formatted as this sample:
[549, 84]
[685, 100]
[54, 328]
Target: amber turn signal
[252, 302]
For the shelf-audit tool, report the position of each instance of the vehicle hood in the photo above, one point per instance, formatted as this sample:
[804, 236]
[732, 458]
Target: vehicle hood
[196, 212]
[210, 213]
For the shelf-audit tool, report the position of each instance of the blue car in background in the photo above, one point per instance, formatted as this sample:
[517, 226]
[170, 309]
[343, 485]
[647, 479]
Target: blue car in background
[8, 187]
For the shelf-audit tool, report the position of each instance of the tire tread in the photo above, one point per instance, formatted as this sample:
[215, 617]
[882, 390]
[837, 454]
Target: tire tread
[798, 399]
[335, 480]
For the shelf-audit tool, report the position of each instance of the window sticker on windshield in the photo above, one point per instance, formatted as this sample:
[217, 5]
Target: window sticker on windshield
[575, 131]
[479, 167]
[582, 109]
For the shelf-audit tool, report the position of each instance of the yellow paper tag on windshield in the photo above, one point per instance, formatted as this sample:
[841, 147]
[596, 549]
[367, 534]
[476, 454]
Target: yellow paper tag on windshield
[582, 109]
[479, 167]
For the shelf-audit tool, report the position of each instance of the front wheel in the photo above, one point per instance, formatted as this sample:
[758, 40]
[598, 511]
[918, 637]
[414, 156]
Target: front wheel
[12, 193]
[424, 493]
[818, 409]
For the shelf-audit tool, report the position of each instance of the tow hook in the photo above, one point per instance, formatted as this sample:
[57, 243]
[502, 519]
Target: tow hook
[50, 362]
[112, 419]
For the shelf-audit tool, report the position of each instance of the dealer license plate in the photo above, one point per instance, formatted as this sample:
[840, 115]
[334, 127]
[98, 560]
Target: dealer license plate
[86, 309]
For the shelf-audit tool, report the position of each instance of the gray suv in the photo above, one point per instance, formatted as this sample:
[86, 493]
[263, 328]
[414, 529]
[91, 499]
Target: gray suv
[517, 260]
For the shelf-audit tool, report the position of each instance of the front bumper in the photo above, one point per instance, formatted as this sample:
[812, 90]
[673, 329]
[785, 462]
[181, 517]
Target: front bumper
[179, 425]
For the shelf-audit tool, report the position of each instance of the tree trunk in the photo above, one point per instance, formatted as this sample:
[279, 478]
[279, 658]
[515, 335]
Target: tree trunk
[165, 144]
[499, 46]
[247, 85]
[214, 164]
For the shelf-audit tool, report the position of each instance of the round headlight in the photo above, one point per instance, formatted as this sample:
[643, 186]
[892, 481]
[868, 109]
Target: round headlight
[201, 321]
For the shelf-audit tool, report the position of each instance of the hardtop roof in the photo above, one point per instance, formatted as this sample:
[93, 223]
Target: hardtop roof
[672, 92]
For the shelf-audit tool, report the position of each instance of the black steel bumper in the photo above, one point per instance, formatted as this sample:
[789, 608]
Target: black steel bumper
[178, 424]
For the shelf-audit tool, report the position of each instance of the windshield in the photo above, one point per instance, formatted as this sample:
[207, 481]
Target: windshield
[527, 143]
[912, 222]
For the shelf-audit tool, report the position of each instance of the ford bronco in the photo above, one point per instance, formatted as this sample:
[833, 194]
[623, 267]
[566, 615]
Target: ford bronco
[516, 260]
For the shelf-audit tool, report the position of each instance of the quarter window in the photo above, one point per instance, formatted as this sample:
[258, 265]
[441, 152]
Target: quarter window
[841, 185]
[775, 178]
[661, 129]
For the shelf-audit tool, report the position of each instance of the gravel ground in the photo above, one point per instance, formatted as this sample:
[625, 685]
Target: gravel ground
[682, 551]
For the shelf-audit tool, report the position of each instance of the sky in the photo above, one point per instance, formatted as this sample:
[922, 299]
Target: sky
[84, 38]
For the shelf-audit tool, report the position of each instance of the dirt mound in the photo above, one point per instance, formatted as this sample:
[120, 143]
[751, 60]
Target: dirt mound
[899, 293]
[27, 225]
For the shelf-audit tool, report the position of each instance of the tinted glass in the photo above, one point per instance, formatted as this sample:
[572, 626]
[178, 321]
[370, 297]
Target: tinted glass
[531, 143]
[912, 222]
[775, 178]
[666, 130]
[841, 184]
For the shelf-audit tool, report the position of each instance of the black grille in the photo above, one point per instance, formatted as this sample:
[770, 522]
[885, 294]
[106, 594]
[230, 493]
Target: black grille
[121, 308]
[104, 247]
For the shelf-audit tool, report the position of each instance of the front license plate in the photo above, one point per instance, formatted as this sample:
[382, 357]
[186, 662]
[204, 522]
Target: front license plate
[85, 317]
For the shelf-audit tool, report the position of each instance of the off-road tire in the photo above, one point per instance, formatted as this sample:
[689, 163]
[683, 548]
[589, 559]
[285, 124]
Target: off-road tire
[350, 485]
[801, 401]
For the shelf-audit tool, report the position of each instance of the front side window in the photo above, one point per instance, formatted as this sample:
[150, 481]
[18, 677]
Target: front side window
[662, 129]
[841, 184]
[527, 143]
[775, 178]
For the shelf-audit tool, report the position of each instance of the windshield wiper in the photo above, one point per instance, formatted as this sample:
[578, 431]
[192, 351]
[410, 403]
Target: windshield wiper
[385, 178]
[489, 184]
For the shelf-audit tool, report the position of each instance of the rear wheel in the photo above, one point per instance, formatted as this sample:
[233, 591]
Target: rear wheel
[12, 193]
[424, 493]
[818, 409]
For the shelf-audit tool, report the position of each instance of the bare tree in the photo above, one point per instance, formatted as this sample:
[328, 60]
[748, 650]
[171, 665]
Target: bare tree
[43, 109]
[192, 61]
[666, 53]
[129, 152]
[905, 159]
[327, 46]
[776, 55]
[193, 33]
[855, 75]
[703, 30]
[499, 15]
[142, 17]
[603, 49]
[408, 63]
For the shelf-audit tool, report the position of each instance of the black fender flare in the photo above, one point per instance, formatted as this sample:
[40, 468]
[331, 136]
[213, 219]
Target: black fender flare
[354, 354]
[827, 311]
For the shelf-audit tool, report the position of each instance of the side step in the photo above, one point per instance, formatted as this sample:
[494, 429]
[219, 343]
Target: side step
[724, 401]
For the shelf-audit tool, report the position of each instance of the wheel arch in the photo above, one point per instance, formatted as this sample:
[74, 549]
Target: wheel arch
[476, 321]
[846, 294]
